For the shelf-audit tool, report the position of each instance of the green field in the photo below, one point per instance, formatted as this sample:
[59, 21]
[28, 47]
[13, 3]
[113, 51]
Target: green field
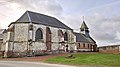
[88, 59]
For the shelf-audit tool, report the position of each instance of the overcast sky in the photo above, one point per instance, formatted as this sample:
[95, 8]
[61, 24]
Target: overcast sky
[101, 16]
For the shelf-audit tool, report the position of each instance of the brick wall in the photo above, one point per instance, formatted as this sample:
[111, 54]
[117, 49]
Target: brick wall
[84, 46]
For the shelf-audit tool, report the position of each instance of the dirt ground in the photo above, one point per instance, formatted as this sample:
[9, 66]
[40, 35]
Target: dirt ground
[33, 59]
[39, 58]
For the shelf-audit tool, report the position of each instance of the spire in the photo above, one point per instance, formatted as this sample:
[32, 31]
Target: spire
[83, 26]
[84, 29]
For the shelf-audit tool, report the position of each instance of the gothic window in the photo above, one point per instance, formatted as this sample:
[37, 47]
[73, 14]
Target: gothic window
[65, 37]
[39, 34]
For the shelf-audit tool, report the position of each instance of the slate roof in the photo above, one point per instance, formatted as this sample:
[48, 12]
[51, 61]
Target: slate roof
[83, 38]
[38, 18]
[1, 33]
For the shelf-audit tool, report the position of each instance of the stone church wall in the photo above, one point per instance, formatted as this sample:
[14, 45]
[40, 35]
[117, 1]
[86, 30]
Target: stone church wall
[54, 33]
[21, 32]
[4, 41]
[20, 47]
[19, 39]
[38, 46]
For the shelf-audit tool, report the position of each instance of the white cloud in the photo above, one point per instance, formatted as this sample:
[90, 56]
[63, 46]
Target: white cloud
[105, 30]
[104, 6]
[13, 9]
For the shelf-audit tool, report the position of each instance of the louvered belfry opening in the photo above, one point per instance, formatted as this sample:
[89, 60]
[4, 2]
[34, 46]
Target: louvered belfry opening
[48, 38]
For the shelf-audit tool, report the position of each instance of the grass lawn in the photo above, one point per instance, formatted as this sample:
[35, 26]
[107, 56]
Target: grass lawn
[88, 59]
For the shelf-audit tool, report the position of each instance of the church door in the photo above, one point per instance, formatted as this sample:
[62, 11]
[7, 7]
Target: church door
[48, 38]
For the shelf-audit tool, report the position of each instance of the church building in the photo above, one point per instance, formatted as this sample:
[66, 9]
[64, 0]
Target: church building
[35, 33]
[84, 41]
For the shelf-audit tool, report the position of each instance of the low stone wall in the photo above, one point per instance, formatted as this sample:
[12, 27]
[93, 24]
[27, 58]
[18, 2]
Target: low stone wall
[114, 49]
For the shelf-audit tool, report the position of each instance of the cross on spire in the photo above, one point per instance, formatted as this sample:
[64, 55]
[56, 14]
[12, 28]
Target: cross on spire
[83, 26]
[83, 18]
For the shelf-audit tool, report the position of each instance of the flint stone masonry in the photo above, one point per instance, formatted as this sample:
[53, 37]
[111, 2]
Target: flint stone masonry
[21, 32]
[20, 47]
[39, 46]
[22, 35]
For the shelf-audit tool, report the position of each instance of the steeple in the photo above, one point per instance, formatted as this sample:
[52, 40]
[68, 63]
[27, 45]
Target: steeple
[84, 26]
[84, 29]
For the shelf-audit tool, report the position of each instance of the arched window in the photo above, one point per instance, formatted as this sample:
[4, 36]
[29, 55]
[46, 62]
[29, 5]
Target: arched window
[39, 34]
[65, 36]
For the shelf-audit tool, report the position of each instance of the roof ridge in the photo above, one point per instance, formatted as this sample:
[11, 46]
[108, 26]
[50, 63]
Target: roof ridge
[29, 16]
[41, 14]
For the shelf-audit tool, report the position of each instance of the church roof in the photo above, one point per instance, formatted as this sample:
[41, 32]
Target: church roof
[38, 18]
[84, 26]
[83, 38]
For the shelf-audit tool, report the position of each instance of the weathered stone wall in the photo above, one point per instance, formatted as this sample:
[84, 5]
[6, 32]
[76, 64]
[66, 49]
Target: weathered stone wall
[21, 32]
[110, 49]
[1, 42]
[19, 39]
[20, 46]
[4, 41]
[38, 46]
[54, 33]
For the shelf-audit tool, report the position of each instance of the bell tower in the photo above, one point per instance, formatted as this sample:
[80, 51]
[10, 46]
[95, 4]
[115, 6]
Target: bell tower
[84, 29]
